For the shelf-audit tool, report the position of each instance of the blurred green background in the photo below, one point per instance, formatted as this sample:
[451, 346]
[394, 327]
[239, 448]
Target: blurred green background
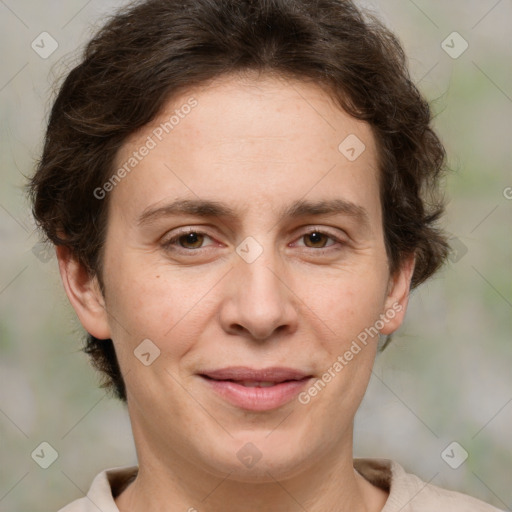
[447, 375]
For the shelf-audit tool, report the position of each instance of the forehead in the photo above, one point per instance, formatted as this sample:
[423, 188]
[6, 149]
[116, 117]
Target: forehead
[253, 139]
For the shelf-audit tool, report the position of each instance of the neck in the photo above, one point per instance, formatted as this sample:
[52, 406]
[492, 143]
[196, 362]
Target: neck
[169, 482]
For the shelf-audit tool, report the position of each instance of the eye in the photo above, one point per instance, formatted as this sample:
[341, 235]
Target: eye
[318, 239]
[192, 240]
[188, 240]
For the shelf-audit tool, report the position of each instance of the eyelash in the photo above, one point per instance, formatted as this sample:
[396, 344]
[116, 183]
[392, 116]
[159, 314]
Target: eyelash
[171, 243]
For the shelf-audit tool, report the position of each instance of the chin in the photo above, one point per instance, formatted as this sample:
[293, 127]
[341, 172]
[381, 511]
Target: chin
[252, 458]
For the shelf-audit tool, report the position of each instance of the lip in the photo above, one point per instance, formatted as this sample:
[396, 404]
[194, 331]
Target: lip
[226, 382]
[273, 374]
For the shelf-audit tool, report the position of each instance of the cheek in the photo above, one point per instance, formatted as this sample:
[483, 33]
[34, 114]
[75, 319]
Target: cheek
[350, 309]
[350, 302]
[152, 303]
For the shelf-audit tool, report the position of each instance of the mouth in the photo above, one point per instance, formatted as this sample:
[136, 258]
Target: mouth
[256, 390]
[253, 384]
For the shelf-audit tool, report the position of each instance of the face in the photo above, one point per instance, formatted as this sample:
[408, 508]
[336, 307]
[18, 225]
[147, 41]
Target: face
[245, 251]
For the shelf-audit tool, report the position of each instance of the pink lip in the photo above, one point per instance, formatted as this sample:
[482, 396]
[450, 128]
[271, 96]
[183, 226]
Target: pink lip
[273, 374]
[226, 383]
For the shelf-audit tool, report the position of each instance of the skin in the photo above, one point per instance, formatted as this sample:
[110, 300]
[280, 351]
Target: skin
[256, 143]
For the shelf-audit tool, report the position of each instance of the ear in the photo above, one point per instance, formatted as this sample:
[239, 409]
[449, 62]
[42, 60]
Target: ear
[398, 296]
[84, 293]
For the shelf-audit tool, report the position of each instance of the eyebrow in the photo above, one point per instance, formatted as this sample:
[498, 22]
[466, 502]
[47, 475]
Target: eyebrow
[214, 209]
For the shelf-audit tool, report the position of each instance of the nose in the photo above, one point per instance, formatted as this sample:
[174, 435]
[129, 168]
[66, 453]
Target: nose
[259, 302]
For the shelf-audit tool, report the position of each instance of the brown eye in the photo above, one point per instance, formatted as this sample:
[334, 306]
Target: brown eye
[188, 243]
[191, 240]
[316, 239]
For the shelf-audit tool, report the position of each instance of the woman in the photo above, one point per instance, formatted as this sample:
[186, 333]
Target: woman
[242, 195]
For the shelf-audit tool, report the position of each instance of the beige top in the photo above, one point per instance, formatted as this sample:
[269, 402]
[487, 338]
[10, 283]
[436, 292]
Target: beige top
[407, 493]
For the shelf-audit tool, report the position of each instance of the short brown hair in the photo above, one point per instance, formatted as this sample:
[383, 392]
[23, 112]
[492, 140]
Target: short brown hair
[151, 50]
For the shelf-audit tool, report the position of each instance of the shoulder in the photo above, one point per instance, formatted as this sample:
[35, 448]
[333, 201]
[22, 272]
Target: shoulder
[408, 493]
[418, 496]
[105, 486]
